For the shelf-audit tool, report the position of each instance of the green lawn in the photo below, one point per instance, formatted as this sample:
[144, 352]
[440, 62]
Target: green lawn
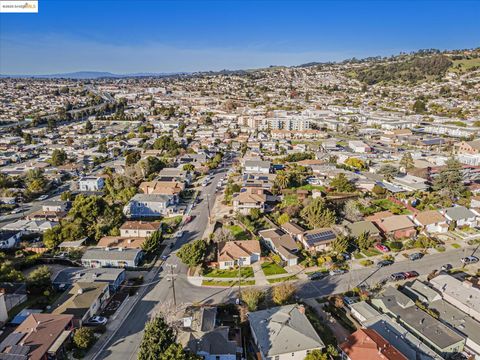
[289, 200]
[270, 268]
[310, 187]
[358, 255]
[371, 252]
[245, 272]
[456, 246]
[238, 232]
[227, 283]
[466, 64]
[286, 278]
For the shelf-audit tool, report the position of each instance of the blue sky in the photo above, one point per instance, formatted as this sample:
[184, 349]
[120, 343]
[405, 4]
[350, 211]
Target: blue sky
[128, 36]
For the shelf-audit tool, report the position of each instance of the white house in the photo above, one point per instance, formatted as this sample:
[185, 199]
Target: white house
[150, 205]
[256, 167]
[112, 257]
[431, 221]
[91, 183]
[10, 238]
[232, 253]
[460, 215]
[359, 146]
[139, 228]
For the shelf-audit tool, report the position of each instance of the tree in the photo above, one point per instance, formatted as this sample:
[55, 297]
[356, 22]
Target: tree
[407, 161]
[388, 171]
[132, 158]
[355, 163]
[176, 352]
[284, 218]
[27, 138]
[59, 157]
[251, 297]
[282, 180]
[282, 294]
[419, 106]
[39, 279]
[341, 184]
[364, 241]
[35, 181]
[157, 338]
[151, 243]
[340, 244]
[450, 179]
[255, 214]
[83, 338]
[188, 167]
[192, 253]
[316, 355]
[8, 272]
[317, 214]
[351, 211]
[88, 126]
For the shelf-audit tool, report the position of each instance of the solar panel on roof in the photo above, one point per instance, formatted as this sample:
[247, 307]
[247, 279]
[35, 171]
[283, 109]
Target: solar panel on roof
[11, 340]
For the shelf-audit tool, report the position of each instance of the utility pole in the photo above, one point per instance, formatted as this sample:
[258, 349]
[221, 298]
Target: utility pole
[208, 206]
[172, 266]
[239, 279]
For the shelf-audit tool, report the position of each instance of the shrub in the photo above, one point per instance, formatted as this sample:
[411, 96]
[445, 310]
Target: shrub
[366, 262]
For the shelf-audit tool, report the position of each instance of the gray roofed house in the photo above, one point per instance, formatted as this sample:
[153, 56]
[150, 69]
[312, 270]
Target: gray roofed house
[449, 314]
[439, 336]
[201, 335]
[360, 227]
[281, 243]
[111, 257]
[256, 166]
[68, 276]
[461, 215]
[150, 205]
[398, 336]
[284, 330]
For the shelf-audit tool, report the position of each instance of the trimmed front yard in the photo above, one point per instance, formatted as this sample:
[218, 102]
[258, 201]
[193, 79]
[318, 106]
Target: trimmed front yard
[227, 283]
[245, 272]
[271, 268]
[238, 232]
[282, 279]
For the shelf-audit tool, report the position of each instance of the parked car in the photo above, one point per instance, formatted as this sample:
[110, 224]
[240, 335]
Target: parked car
[411, 274]
[346, 256]
[43, 197]
[415, 256]
[446, 267]
[338, 272]
[398, 276]
[96, 321]
[316, 275]
[164, 257]
[382, 248]
[179, 234]
[469, 260]
[16, 211]
[62, 255]
[188, 219]
[383, 263]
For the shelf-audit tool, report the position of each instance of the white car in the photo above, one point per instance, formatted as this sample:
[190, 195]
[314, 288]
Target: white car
[43, 197]
[96, 321]
[179, 234]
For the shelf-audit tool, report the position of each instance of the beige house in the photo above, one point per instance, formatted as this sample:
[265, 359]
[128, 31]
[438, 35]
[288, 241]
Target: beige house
[232, 253]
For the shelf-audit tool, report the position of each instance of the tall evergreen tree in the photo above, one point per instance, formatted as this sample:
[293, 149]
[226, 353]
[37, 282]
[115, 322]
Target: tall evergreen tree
[157, 338]
[450, 180]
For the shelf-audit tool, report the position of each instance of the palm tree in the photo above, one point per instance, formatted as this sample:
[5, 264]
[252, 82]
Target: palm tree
[282, 180]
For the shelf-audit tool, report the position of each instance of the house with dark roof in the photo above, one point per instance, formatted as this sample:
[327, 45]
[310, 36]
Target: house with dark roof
[283, 332]
[112, 257]
[360, 227]
[65, 278]
[83, 300]
[39, 337]
[433, 332]
[201, 334]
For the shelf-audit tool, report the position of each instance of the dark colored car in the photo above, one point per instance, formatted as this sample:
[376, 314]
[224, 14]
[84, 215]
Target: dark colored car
[398, 276]
[384, 263]
[316, 276]
[415, 256]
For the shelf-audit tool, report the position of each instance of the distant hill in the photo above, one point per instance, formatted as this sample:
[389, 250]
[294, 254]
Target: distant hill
[87, 75]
